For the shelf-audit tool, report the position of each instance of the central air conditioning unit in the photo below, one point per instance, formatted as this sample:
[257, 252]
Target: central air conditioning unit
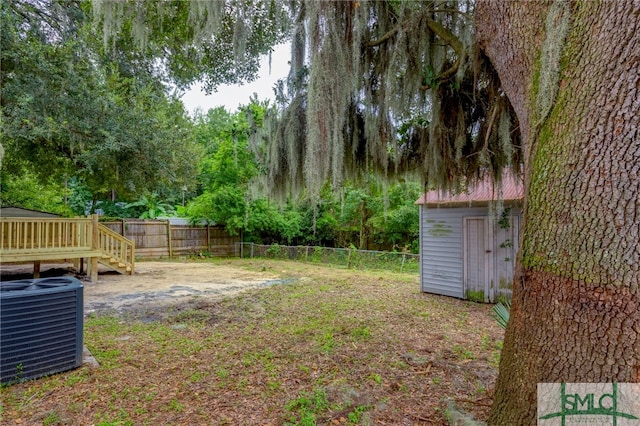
[41, 325]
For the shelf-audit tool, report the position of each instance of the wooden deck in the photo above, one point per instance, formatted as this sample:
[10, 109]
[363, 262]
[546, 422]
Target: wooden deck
[44, 239]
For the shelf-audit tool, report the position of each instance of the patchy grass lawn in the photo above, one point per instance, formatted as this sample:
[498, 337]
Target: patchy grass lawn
[331, 346]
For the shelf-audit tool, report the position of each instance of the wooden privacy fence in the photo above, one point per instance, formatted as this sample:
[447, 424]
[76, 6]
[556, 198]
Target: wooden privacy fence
[159, 238]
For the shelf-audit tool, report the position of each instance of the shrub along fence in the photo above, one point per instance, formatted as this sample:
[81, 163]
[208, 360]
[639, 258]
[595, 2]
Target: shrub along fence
[159, 238]
[351, 258]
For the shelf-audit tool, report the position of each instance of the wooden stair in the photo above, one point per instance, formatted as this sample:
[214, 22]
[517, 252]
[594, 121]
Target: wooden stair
[115, 264]
[117, 251]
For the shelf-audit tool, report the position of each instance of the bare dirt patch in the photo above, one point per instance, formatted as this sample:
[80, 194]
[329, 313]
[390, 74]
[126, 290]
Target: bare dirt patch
[154, 283]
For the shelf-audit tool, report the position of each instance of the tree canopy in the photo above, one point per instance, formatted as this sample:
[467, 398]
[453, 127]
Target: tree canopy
[70, 108]
[215, 42]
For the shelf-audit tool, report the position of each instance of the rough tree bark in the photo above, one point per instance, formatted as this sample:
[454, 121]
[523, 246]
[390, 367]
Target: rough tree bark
[572, 72]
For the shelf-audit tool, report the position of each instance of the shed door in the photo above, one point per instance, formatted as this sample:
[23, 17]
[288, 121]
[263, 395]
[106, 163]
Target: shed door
[477, 258]
[506, 236]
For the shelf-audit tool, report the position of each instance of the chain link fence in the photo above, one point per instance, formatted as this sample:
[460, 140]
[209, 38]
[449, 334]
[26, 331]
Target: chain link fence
[349, 258]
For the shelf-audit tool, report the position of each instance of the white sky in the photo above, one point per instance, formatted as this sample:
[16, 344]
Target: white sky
[231, 97]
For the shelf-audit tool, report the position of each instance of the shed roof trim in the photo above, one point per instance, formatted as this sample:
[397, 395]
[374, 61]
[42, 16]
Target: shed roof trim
[481, 192]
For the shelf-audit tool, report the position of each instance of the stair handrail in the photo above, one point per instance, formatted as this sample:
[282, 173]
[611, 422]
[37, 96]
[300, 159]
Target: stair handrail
[116, 246]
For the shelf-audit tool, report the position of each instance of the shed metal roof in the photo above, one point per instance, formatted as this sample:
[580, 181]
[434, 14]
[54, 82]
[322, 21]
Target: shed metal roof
[11, 211]
[480, 193]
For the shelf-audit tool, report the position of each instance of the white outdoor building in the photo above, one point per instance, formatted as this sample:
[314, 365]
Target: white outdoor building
[469, 241]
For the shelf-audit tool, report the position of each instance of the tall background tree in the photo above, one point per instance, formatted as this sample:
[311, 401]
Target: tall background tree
[73, 110]
[230, 193]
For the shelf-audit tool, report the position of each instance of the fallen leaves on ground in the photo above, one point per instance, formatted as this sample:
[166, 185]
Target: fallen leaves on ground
[330, 346]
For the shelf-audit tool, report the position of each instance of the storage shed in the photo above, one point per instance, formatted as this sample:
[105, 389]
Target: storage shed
[11, 211]
[468, 244]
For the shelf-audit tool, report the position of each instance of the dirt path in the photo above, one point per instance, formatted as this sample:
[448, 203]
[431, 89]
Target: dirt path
[154, 283]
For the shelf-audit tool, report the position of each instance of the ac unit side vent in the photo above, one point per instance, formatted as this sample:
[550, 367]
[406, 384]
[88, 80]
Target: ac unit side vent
[35, 323]
[18, 348]
[41, 326]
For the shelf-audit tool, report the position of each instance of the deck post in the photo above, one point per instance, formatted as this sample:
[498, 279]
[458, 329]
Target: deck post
[95, 245]
[94, 269]
[36, 269]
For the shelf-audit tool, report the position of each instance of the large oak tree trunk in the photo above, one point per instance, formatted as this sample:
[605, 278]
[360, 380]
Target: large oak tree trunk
[572, 72]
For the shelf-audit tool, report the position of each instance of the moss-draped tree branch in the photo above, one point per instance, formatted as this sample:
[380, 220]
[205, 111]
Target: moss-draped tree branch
[434, 26]
[357, 103]
[446, 35]
[351, 122]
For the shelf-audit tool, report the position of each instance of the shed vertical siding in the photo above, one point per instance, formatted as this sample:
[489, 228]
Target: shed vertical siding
[441, 249]
[442, 246]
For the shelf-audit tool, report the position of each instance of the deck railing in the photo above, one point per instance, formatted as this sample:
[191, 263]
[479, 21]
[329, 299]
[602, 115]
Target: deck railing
[39, 239]
[34, 235]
